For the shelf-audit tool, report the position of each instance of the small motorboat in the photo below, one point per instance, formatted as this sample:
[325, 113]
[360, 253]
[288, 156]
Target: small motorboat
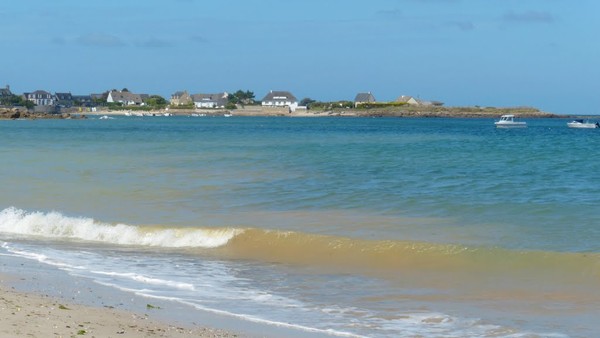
[582, 124]
[508, 121]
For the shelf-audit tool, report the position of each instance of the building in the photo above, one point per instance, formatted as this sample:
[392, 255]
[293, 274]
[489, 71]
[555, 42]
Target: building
[40, 98]
[277, 98]
[5, 92]
[181, 98]
[408, 100]
[64, 99]
[218, 100]
[83, 100]
[417, 102]
[124, 97]
[363, 98]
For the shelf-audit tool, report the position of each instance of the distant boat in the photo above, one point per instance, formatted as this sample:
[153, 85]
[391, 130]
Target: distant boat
[583, 124]
[105, 117]
[227, 114]
[508, 121]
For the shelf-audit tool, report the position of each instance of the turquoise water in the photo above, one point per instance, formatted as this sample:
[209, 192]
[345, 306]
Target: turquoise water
[395, 205]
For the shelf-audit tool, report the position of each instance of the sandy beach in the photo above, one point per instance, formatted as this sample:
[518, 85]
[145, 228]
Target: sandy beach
[33, 315]
[39, 302]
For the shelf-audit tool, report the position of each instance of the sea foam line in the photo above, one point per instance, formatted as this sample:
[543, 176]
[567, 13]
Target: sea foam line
[57, 226]
[245, 317]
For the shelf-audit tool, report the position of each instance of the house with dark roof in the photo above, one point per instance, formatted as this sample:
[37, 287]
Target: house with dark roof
[40, 98]
[64, 99]
[5, 92]
[83, 100]
[363, 98]
[124, 97]
[277, 98]
[100, 97]
[218, 100]
[181, 98]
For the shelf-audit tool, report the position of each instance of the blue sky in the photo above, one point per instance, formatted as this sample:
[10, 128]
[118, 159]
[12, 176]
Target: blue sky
[541, 53]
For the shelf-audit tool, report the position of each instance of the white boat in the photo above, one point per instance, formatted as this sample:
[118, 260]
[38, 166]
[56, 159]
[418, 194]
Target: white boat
[508, 121]
[582, 124]
[105, 117]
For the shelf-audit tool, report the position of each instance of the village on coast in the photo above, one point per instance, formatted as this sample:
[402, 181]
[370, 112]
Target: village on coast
[42, 103]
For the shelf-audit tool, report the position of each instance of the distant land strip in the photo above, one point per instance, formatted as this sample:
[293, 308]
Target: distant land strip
[430, 111]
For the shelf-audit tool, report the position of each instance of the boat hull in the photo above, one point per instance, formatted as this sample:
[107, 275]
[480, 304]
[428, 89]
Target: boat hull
[511, 125]
[582, 125]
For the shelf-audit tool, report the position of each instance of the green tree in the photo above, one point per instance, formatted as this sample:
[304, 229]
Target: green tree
[16, 100]
[242, 97]
[307, 101]
[156, 101]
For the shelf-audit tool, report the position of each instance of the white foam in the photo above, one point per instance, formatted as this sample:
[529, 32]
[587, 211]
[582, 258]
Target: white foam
[55, 225]
[148, 280]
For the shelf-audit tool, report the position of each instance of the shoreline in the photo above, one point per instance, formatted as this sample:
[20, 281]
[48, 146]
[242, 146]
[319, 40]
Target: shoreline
[36, 301]
[34, 315]
[260, 111]
[406, 112]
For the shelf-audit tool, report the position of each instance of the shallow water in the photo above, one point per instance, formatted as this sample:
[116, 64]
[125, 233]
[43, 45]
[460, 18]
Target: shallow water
[344, 226]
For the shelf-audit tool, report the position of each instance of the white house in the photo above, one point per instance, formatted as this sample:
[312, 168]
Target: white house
[408, 100]
[280, 99]
[218, 100]
[40, 98]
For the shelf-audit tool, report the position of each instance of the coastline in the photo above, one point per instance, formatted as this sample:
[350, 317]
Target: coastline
[404, 112]
[33, 315]
[260, 111]
[38, 302]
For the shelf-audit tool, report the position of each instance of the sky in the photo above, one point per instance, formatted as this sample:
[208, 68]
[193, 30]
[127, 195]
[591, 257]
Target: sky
[489, 53]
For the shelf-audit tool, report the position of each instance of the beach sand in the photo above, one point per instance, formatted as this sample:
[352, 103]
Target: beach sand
[37, 301]
[34, 315]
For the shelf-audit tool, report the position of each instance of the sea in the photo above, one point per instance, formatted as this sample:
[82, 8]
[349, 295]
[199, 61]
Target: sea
[347, 227]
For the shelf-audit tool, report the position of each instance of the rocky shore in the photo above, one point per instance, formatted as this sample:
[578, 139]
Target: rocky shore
[408, 111]
[432, 111]
[22, 113]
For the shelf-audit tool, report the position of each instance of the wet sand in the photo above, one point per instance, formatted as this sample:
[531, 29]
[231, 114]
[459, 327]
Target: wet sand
[30, 315]
[33, 315]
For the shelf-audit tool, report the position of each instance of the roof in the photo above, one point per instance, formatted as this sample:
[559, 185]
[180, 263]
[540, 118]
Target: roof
[405, 98]
[364, 97]
[5, 92]
[64, 96]
[278, 95]
[179, 94]
[82, 97]
[219, 98]
[41, 92]
[125, 97]
[208, 97]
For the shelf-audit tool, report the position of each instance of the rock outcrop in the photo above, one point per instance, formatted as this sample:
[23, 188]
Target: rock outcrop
[22, 113]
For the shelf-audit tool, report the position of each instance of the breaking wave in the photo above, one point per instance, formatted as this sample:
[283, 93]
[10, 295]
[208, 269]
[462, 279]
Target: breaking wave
[348, 254]
[54, 225]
